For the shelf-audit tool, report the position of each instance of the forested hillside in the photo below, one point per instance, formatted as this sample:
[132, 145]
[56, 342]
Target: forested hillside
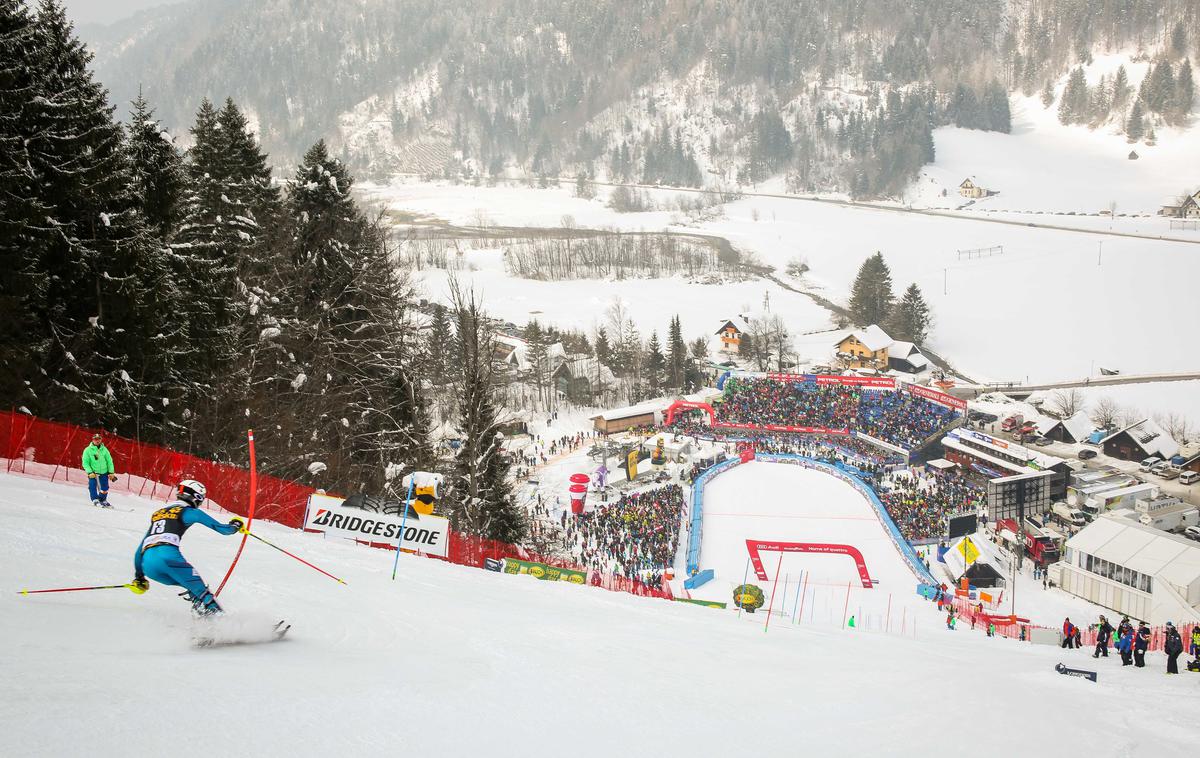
[833, 94]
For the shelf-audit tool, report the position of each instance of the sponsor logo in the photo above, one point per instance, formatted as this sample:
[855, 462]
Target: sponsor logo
[428, 534]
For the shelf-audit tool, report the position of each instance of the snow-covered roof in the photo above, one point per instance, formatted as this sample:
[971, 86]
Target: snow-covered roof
[1150, 437]
[987, 554]
[737, 323]
[515, 350]
[1141, 548]
[1078, 426]
[872, 338]
[641, 409]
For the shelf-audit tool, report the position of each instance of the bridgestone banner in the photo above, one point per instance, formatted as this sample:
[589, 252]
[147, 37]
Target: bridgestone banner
[422, 533]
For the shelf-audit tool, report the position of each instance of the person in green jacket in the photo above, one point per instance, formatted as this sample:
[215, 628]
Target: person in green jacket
[98, 464]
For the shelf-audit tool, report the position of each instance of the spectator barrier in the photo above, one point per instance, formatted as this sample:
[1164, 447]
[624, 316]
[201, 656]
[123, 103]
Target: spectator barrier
[52, 450]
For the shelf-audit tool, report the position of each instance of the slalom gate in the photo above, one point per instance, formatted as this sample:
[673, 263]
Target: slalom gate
[51, 450]
[696, 537]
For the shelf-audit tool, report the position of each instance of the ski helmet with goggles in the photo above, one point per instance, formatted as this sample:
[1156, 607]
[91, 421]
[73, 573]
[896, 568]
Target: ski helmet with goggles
[191, 492]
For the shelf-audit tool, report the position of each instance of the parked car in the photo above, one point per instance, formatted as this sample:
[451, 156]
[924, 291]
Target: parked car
[1086, 454]
[1192, 533]
[1187, 477]
[1043, 441]
[1149, 463]
[1170, 472]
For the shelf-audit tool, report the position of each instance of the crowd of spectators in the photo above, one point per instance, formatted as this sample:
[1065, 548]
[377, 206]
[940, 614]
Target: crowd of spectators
[637, 536]
[920, 501]
[892, 416]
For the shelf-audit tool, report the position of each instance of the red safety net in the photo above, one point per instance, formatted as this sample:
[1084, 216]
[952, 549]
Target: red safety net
[53, 450]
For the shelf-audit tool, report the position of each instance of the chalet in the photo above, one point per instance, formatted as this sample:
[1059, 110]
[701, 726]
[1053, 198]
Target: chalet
[969, 188]
[514, 353]
[624, 419]
[1189, 207]
[581, 378]
[730, 335]
[864, 348]
[906, 357]
[1075, 429]
[1138, 441]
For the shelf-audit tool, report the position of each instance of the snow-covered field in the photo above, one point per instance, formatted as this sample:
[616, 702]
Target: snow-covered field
[532, 667]
[1044, 310]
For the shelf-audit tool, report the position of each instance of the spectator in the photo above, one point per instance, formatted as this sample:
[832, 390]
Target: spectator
[1104, 632]
[1173, 647]
[1068, 630]
[1196, 642]
[1141, 641]
[98, 464]
[1125, 645]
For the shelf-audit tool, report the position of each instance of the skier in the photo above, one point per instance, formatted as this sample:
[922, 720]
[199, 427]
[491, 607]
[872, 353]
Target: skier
[1196, 642]
[98, 464]
[1173, 647]
[158, 556]
[1141, 641]
[1104, 631]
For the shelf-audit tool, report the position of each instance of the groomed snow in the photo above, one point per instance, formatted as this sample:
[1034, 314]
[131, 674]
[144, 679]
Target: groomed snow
[451, 661]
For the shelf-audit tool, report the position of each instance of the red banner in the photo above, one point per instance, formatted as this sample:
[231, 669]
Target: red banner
[872, 382]
[941, 398]
[755, 546]
[782, 428]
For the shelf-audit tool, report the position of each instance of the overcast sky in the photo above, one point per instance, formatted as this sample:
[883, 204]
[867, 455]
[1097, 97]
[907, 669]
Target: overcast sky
[106, 11]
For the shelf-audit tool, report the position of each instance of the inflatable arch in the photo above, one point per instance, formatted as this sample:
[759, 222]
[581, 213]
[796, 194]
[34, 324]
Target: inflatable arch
[683, 405]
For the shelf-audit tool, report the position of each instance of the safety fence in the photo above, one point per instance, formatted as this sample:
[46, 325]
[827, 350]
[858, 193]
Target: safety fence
[53, 450]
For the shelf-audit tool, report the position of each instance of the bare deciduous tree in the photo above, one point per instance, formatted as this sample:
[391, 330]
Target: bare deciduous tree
[1105, 412]
[1066, 402]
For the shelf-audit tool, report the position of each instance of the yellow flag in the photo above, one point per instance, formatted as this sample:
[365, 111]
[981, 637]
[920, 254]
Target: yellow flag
[968, 550]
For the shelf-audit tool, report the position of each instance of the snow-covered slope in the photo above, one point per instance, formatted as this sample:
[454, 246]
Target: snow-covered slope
[452, 661]
[1046, 167]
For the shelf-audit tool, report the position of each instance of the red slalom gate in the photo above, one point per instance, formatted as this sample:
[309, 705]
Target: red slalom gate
[755, 546]
[249, 515]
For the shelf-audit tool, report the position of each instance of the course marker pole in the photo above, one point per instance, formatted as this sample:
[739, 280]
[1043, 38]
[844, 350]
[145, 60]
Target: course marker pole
[846, 609]
[771, 605]
[403, 520]
[745, 574]
[249, 515]
[796, 601]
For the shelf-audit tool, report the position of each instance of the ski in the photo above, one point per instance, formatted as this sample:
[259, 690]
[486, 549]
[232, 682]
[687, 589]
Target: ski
[209, 640]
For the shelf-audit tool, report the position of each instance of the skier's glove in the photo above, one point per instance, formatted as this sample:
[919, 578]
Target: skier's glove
[139, 586]
[241, 525]
[91, 475]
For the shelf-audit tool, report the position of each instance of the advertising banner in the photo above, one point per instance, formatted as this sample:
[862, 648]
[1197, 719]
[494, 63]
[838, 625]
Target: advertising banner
[872, 382]
[881, 444]
[542, 571]
[941, 398]
[782, 428]
[422, 533]
[631, 462]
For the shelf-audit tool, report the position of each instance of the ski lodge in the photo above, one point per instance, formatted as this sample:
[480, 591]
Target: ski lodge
[729, 336]
[864, 348]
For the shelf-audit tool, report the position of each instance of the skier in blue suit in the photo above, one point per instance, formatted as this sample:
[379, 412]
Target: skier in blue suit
[158, 555]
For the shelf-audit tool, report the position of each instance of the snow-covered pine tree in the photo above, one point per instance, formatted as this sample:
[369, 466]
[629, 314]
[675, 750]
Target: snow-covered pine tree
[871, 294]
[911, 318]
[21, 208]
[479, 497]
[1135, 126]
[539, 360]
[91, 264]
[156, 169]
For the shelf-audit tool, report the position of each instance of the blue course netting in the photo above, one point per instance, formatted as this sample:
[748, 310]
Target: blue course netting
[885, 519]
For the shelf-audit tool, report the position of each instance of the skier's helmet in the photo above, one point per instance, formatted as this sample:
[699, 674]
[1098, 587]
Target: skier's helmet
[191, 492]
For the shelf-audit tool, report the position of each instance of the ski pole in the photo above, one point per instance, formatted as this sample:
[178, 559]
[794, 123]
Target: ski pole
[290, 555]
[77, 589]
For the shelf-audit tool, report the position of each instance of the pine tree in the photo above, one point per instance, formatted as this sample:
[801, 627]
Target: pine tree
[1073, 107]
[996, 107]
[22, 210]
[438, 359]
[604, 352]
[1185, 92]
[1048, 94]
[1179, 45]
[655, 365]
[910, 319]
[1134, 128]
[479, 496]
[1120, 89]
[539, 358]
[677, 356]
[90, 264]
[871, 295]
[157, 169]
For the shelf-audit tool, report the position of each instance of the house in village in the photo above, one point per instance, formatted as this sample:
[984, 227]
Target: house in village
[906, 357]
[513, 352]
[729, 336]
[1138, 441]
[968, 188]
[1077, 428]
[582, 378]
[1189, 207]
[864, 348]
